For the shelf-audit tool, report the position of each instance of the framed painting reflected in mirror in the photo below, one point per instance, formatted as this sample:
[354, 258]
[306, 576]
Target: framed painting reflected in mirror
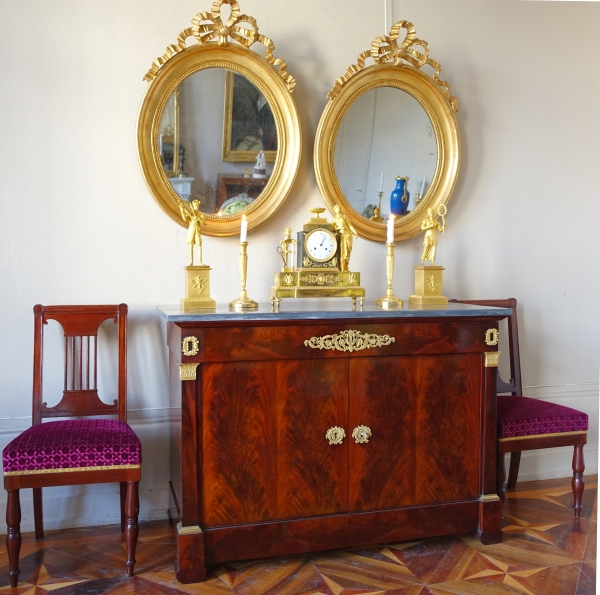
[248, 124]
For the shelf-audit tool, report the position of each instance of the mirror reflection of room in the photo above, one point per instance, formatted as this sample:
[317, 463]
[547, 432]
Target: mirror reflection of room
[227, 141]
[384, 135]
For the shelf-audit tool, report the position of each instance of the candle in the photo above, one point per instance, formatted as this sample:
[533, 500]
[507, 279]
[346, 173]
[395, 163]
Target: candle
[244, 229]
[390, 230]
[381, 185]
[423, 186]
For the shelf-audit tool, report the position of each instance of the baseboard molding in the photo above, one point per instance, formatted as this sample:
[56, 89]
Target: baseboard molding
[563, 391]
[553, 462]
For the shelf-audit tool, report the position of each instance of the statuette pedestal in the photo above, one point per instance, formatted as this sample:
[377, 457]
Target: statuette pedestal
[197, 289]
[428, 287]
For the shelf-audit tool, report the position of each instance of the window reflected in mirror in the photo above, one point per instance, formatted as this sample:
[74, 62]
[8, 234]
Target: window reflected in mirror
[223, 143]
[168, 135]
[385, 134]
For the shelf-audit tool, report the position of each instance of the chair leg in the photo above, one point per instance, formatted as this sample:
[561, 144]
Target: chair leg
[132, 506]
[500, 475]
[123, 495]
[577, 482]
[38, 514]
[515, 460]
[13, 535]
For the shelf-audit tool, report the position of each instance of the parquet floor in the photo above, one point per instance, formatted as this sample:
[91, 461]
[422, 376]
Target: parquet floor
[544, 552]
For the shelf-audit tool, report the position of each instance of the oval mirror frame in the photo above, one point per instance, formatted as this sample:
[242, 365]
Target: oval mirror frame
[396, 65]
[269, 76]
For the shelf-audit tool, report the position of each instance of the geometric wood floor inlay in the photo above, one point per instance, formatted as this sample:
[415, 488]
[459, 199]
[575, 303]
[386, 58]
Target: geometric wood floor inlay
[544, 552]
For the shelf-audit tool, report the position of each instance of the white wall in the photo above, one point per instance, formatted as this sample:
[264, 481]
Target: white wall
[77, 224]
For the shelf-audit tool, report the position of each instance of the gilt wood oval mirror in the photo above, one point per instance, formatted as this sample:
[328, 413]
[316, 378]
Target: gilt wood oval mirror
[218, 124]
[388, 126]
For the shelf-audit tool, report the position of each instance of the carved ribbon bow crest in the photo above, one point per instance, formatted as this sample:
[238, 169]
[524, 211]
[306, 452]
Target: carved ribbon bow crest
[385, 48]
[210, 27]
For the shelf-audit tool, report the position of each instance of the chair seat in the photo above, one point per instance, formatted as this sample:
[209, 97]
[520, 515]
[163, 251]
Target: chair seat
[72, 445]
[523, 416]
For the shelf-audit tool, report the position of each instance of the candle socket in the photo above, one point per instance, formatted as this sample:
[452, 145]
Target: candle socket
[243, 303]
[389, 301]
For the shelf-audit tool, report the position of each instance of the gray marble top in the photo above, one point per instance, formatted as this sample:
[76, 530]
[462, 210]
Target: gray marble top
[293, 309]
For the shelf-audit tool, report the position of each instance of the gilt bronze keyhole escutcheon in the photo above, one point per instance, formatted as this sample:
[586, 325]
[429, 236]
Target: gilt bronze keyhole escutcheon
[190, 346]
[491, 336]
[335, 435]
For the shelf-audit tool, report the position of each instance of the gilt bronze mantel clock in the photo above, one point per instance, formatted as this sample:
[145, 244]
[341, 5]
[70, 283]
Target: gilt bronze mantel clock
[323, 255]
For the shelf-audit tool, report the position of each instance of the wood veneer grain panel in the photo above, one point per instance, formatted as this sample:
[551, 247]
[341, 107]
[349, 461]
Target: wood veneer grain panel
[244, 343]
[312, 475]
[331, 532]
[265, 455]
[448, 433]
[424, 412]
[382, 397]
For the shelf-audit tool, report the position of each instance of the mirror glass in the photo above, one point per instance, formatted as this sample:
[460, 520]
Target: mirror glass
[385, 133]
[218, 140]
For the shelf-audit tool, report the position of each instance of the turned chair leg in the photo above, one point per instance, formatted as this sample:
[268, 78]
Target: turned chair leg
[123, 495]
[13, 535]
[577, 482]
[132, 506]
[513, 471]
[38, 514]
[500, 475]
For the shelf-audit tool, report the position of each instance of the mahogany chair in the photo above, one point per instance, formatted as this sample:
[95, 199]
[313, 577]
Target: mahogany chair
[525, 423]
[74, 451]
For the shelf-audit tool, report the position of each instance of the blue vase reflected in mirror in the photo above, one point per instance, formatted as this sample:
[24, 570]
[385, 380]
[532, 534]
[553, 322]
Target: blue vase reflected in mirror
[400, 197]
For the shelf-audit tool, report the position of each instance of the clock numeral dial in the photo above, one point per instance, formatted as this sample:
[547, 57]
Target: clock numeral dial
[321, 245]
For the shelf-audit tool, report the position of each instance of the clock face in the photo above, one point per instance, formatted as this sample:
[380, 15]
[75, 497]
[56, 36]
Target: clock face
[321, 245]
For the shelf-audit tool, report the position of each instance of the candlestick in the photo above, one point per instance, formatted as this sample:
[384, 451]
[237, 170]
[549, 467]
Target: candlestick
[243, 303]
[244, 230]
[381, 185]
[390, 230]
[389, 301]
[422, 187]
[377, 210]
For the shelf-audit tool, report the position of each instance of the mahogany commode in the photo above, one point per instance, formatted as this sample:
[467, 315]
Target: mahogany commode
[253, 396]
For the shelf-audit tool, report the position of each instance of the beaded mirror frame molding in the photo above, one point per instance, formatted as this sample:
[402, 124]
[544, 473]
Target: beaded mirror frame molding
[397, 64]
[222, 43]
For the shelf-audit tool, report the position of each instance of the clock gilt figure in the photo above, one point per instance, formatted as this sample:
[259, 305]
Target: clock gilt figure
[323, 254]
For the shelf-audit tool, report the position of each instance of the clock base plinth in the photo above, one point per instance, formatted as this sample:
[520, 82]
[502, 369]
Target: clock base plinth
[317, 282]
[428, 287]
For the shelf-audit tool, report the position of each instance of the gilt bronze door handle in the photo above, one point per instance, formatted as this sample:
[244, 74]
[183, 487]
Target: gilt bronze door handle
[361, 434]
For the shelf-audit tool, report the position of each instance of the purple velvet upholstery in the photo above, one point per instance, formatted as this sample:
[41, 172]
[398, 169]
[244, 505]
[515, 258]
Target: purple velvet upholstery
[521, 416]
[72, 444]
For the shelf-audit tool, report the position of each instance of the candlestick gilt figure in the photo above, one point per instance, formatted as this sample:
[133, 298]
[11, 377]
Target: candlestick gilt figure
[190, 213]
[431, 225]
[286, 246]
